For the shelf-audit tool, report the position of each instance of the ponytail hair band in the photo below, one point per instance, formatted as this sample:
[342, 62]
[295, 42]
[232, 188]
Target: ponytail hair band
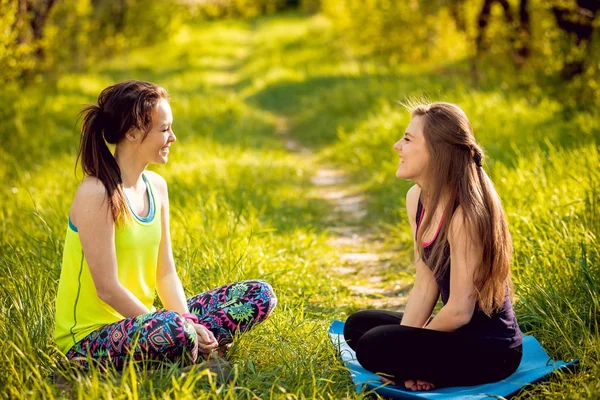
[102, 115]
[477, 158]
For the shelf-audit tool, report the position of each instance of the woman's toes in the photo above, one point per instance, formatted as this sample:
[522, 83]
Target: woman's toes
[425, 385]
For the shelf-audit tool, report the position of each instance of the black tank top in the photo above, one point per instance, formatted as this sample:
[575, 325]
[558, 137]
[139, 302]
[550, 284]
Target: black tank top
[498, 331]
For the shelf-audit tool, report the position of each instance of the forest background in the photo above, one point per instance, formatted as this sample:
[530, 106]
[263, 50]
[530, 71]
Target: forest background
[285, 113]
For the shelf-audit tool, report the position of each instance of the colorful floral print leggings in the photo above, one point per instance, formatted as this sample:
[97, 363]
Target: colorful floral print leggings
[166, 336]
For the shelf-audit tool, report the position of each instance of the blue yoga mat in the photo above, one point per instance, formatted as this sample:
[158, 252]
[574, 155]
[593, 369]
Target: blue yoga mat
[535, 364]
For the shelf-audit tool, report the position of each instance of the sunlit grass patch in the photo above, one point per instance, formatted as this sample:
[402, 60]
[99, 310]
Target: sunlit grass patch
[241, 209]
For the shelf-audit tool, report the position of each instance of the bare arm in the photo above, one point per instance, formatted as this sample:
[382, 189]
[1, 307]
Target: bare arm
[425, 292]
[168, 284]
[465, 255]
[91, 214]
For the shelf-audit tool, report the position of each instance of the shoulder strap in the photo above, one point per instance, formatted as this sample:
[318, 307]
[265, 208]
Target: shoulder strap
[419, 215]
[152, 194]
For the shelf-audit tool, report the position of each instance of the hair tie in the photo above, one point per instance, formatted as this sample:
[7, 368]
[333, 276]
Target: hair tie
[102, 117]
[477, 158]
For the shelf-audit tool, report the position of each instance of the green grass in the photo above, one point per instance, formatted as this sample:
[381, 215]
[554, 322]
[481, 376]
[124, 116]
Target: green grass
[240, 209]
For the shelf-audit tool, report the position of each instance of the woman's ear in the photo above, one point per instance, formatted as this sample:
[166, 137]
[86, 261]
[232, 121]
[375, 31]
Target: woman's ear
[133, 134]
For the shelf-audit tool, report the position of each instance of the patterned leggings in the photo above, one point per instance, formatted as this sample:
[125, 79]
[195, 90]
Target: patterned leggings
[166, 336]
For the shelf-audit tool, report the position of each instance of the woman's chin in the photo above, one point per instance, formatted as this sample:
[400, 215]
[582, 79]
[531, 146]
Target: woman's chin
[161, 160]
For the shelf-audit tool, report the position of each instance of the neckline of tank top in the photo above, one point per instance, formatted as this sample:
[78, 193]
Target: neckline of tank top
[422, 206]
[151, 206]
[145, 220]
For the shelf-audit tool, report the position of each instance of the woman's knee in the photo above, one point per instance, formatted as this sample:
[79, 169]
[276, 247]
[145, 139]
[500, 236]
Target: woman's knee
[355, 319]
[262, 292]
[261, 286]
[373, 349]
[355, 327]
[269, 293]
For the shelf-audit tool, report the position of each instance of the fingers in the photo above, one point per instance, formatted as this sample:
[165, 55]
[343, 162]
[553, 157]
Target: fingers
[212, 336]
[202, 333]
[204, 348]
[207, 347]
[206, 339]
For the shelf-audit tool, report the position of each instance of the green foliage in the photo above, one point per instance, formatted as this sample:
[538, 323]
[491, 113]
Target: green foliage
[236, 8]
[241, 205]
[78, 33]
[396, 32]
[68, 40]
[148, 22]
[443, 31]
[14, 57]
[310, 6]
[236, 200]
[543, 157]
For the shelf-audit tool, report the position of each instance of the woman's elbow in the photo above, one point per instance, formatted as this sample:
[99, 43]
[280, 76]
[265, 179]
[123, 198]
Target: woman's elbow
[107, 293]
[104, 295]
[461, 315]
[463, 319]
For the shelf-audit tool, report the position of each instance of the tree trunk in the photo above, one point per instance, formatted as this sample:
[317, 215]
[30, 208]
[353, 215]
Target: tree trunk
[519, 30]
[119, 7]
[578, 24]
[39, 17]
[21, 22]
[457, 13]
[524, 33]
[484, 20]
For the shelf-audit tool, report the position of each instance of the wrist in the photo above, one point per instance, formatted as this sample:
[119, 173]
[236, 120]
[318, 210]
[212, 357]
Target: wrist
[191, 317]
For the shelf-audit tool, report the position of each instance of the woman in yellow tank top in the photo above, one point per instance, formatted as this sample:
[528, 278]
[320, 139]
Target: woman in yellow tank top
[118, 255]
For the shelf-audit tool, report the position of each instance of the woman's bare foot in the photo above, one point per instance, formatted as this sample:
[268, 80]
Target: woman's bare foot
[418, 385]
[410, 384]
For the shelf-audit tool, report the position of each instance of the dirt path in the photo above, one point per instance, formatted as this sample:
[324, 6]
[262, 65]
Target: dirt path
[364, 261]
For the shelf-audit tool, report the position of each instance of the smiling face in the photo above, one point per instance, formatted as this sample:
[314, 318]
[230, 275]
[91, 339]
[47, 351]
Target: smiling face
[154, 148]
[413, 152]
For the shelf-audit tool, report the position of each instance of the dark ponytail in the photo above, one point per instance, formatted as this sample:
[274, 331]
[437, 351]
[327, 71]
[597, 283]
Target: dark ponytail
[120, 108]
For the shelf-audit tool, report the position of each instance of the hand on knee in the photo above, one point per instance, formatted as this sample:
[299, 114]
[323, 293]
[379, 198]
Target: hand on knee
[206, 339]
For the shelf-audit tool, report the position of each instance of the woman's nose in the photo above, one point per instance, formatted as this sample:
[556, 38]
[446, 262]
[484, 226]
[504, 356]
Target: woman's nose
[398, 145]
[172, 138]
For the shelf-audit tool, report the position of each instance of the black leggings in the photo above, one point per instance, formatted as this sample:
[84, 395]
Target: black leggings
[442, 358]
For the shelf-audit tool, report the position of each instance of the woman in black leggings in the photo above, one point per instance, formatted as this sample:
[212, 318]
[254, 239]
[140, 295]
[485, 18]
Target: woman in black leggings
[462, 253]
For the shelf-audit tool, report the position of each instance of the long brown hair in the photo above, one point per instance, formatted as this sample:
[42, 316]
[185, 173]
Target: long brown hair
[456, 170]
[121, 107]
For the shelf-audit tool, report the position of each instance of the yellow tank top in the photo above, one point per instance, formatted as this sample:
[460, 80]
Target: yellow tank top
[79, 310]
